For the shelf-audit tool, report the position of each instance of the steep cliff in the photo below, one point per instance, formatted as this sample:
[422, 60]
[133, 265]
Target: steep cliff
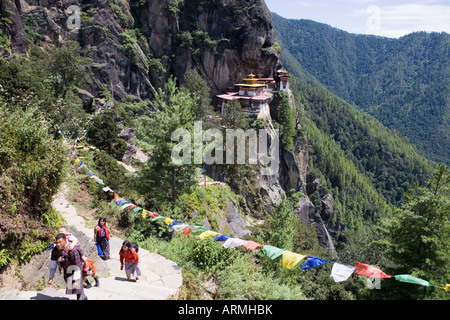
[135, 45]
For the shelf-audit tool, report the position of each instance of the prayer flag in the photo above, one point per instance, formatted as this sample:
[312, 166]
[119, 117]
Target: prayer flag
[341, 272]
[119, 200]
[272, 252]
[446, 288]
[106, 189]
[291, 259]
[153, 215]
[312, 262]
[133, 206]
[221, 237]
[233, 243]
[168, 221]
[122, 201]
[198, 229]
[186, 231]
[135, 210]
[208, 234]
[157, 218]
[144, 213]
[126, 205]
[251, 245]
[180, 226]
[174, 223]
[410, 279]
[369, 271]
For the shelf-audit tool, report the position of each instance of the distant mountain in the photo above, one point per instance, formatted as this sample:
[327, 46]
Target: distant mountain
[404, 83]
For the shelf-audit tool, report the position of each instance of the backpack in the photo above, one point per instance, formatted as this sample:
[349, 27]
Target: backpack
[134, 245]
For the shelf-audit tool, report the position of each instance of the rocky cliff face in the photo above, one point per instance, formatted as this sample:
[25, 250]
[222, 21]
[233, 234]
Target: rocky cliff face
[135, 45]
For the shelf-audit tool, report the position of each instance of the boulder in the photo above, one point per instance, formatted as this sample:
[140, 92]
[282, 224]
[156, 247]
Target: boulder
[309, 214]
[35, 273]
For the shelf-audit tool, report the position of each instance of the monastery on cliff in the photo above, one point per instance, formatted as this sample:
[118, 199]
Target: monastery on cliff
[255, 94]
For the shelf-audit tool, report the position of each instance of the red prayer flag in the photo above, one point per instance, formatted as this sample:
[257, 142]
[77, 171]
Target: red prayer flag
[369, 271]
[133, 206]
[153, 215]
[186, 231]
[251, 245]
[116, 197]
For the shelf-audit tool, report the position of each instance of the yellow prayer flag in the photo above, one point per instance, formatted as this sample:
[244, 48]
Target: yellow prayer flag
[291, 259]
[208, 234]
[446, 288]
[144, 213]
[168, 221]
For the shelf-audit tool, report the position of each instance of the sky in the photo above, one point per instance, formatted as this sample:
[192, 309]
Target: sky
[388, 18]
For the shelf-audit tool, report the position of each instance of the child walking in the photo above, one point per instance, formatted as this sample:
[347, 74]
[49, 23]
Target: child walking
[131, 257]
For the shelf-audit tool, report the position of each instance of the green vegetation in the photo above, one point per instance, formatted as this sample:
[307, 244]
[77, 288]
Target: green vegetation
[388, 161]
[417, 237]
[402, 82]
[32, 161]
[365, 167]
[287, 121]
[31, 169]
[103, 133]
[161, 180]
[189, 34]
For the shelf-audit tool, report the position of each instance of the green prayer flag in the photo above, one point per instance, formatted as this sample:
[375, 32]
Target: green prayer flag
[198, 228]
[410, 279]
[157, 218]
[272, 252]
[136, 209]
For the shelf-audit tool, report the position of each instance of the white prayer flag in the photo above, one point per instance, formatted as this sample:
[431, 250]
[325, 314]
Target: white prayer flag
[233, 243]
[179, 227]
[341, 272]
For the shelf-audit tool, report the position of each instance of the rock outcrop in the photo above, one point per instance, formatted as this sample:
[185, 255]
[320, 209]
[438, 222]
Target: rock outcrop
[136, 45]
[36, 271]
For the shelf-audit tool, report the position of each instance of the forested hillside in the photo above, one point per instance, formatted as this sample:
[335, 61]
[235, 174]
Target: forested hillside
[348, 189]
[402, 82]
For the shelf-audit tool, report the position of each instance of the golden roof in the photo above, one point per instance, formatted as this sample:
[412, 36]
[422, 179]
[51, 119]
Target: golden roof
[250, 81]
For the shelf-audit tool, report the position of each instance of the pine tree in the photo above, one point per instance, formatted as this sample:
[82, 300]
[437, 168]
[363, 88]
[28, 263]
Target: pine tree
[161, 180]
[418, 235]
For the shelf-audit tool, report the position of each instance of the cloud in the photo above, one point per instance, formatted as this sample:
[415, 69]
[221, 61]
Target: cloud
[398, 20]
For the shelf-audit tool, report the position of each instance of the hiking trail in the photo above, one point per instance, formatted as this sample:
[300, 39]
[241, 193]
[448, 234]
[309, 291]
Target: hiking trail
[161, 278]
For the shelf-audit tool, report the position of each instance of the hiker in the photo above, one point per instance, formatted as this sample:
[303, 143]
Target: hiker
[89, 270]
[72, 243]
[129, 253]
[101, 238]
[71, 262]
[69, 237]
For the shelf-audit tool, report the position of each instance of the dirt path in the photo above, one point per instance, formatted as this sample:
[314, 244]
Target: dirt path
[161, 278]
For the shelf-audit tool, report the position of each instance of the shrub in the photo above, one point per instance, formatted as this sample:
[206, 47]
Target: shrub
[208, 254]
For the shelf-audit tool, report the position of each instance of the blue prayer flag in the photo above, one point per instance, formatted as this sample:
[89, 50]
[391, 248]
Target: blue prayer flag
[222, 237]
[312, 262]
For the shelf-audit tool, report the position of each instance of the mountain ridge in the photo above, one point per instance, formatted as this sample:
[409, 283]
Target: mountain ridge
[402, 82]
